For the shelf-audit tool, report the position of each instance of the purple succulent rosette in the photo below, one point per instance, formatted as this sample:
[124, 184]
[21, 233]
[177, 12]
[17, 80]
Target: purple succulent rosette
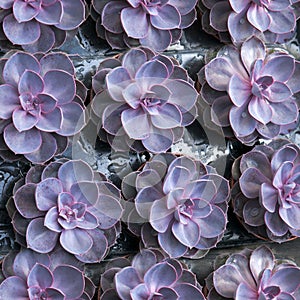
[265, 197]
[40, 25]
[271, 21]
[251, 92]
[31, 275]
[177, 204]
[66, 203]
[41, 105]
[148, 276]
[254, 274]
[160, 22]
[143, 101]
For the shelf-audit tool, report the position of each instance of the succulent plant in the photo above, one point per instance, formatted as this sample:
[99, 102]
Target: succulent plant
[251, 91]
[177, 204]
[40, 25]
[265, 195]
[143, 101]
[41, 105]
[31, 275]
[271, 21]
[254, 274]
[66, 203]
[160, 22]
[148, 276]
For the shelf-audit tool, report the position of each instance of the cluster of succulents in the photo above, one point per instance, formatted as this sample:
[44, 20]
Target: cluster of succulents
[160, 23]
[254, 274]
[149, 275]
[266, 193]
[65, 214]
[40, 25]
[31, 275]
[41, 105]
[250, 92]
[147, 89]
[177, 204]
[236, 21]
[66, 203]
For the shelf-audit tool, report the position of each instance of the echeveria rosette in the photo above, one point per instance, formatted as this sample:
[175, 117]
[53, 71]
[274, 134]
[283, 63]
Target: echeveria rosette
[40, 25]
[266, 195]
[67, 203]
[160, 22]
[41, 105]
[273, 21]
[252, 91]
[148, 276]
[177, 204]
[31, 275]
[143, 101]
[254, 274]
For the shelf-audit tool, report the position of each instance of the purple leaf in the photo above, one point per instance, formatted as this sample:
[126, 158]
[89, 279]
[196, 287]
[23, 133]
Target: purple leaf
[130, 118]
[239, 28]
[132, 16]
[188, 234]
[40, 276]
[125, 281]
[21, 33]
[251, 181]
[241, 121]
[214, 224]
[239, 6]
[159, 140]
[167, 17]
[188, 291]
[183, 94]
[218, 73]
[170, 244]
[160, 215]
[22, 142]
[51, 14]
[239, 90]
[226, 280]
[23, 120]
[30, 82]
[160, 275]
[109, 20]
[169, 116]
[74, 171]
[73, 14]
[24, 199]
[47, 192]
[17, 64]
[73, 119]
[158, 40]
[46, 151]
[133, 60]
[244, 291]
[116, 81]
[279, 67]
[60, 85]
[256, 12]
[282, 21]
[69, 280]
[7, 107]
[97, 252]
[51, 220]
[269, 197]
[76, 241]
[14, 288]
[260, 110]
[39, 238]
[51, 121]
